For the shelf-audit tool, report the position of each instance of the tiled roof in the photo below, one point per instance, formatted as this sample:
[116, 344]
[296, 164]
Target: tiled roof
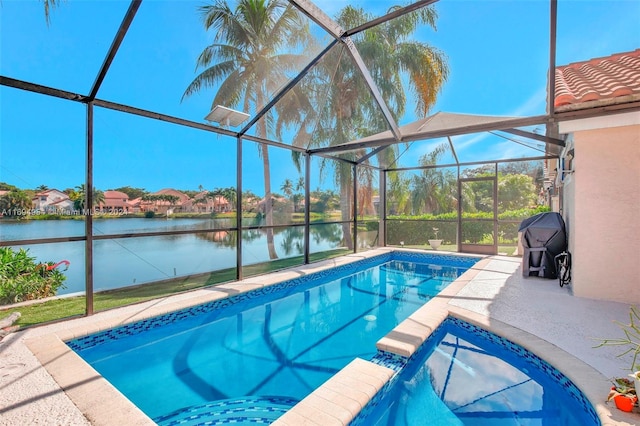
[169, 191]
[114, 202]
[63, 200]
[115, 194]
[600, 79]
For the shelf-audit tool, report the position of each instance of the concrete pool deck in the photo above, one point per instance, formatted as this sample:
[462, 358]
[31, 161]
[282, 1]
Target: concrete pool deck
[43, 382]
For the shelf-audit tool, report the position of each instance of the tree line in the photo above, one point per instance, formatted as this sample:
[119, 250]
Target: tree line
[20, 200]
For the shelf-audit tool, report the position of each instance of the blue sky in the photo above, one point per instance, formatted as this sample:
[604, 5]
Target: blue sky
[497, 52]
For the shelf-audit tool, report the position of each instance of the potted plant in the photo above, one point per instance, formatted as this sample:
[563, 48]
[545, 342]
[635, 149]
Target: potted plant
[630, 343]
[435, 243]
[623, 393]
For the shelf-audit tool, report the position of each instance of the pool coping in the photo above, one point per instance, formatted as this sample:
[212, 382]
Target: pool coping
[406, 338]
[99, 401]
[337, 401]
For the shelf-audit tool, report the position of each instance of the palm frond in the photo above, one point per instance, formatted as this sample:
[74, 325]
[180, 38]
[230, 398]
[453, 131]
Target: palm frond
[49, 5]
[209, 77]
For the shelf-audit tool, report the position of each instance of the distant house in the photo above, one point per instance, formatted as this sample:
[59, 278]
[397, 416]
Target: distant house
[115, 202]
[135, 205]
[278, 204]
[200, 203]
[599, 174]
[250, 203]
[66, 205]
[51, 201]
[165, 201]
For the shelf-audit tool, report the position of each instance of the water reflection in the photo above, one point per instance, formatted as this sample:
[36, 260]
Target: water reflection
[293, 240]
[132, 261]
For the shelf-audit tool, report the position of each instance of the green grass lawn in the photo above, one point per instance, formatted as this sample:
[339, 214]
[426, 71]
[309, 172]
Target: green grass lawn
[62, 308]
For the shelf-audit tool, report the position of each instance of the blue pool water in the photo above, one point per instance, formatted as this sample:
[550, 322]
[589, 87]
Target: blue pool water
[464, 375]
[252, 356]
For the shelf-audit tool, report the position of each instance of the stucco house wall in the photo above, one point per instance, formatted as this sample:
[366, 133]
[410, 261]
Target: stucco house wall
[45, 201]
[601, 206]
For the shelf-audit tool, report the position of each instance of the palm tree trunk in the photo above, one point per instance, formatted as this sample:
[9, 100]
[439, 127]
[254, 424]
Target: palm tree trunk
[345, 209]
[266, 170]
[268, 205]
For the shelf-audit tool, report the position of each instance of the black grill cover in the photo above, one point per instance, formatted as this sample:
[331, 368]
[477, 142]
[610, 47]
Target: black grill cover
[543, 237]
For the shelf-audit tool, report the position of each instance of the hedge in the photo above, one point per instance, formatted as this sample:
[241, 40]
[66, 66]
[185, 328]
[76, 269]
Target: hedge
[417, 230]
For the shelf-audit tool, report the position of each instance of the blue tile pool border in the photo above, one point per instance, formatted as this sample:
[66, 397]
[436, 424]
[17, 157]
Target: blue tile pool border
[534, 360]
[213, 413]
[310, 280]
[397, 363]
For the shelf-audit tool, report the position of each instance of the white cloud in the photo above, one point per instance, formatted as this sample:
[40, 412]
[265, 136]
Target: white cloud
[485, 146]
[506, 150]
[535, 105]
[426, 148]
[465, 142]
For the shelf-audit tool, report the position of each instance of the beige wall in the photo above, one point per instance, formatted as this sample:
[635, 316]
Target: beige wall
[602, 211]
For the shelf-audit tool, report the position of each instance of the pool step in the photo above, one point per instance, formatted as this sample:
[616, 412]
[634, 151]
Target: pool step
[237, 411]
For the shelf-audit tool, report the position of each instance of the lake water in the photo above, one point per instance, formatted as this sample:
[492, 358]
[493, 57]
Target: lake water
[131, 261]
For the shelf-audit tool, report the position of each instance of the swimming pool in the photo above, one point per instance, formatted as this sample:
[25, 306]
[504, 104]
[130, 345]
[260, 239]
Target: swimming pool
[465, 375]
[254, 355]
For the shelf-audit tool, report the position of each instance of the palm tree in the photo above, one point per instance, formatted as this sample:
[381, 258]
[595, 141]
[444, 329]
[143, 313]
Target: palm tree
[98, 197]
[249, 62]
[287, 187]
[298, 195]
[198, 202]
[393, 61]
[231, 195]
[216, 195]
[398, 194]
[171, 199]
[430, 188]
[249, 201]
[71, 193]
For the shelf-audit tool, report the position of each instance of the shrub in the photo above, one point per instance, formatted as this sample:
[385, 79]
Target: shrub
[22, 278]
[522, 213]
[416, 230]
[371, 226]
[149, 214]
